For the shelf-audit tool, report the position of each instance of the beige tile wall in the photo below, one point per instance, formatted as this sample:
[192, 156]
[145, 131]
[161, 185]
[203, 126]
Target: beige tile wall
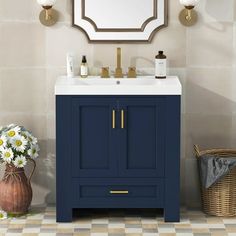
[204, 57]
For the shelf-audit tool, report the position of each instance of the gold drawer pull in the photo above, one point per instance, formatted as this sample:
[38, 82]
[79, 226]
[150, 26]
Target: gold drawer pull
[119, 192]
[113, 119]
[122, 119]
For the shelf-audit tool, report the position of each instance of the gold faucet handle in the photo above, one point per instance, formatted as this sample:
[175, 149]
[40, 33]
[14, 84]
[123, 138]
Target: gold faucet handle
[132, 72]
[105, 72]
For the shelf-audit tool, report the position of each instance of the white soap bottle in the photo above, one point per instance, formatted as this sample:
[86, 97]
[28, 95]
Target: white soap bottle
[70, 65]
[160, 66]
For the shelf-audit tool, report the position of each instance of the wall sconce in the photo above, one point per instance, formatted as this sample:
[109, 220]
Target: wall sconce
[48, 16]
[188, 16]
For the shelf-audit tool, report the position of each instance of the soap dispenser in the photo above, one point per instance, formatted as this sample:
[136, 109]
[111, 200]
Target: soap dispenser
[84, 68]
[160, 64]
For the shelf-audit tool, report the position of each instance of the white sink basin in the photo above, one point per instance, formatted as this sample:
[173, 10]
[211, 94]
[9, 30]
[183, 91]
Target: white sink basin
[145, 85]
[97, 81]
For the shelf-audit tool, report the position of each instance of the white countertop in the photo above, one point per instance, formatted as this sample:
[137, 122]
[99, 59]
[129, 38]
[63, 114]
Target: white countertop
[143, 85]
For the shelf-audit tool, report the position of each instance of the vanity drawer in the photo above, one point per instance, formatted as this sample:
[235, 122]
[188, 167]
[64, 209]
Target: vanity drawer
[118, 191]
[140, 193]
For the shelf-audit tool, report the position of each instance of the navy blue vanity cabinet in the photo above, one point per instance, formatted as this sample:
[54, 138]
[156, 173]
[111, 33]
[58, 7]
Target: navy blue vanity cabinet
[94, 142]
[142, 137]
[117, 152]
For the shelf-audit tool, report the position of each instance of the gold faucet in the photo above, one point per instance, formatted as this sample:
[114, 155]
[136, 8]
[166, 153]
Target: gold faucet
[118, 72]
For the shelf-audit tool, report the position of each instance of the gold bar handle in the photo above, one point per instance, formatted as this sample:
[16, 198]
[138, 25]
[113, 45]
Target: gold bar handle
[122, 119]
[113, 119]
[119, 192]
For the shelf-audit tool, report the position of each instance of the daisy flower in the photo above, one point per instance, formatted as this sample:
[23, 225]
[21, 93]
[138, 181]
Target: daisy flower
[11, 126]
[30, 137]
[19, 143]
[33, 151]
[20, 161]
[3, 215]
[26, 134]
[14, 131]
[34, 140]
[3, 142]
[7, 155]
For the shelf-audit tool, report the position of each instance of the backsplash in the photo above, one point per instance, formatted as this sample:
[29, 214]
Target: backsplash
[203, 56]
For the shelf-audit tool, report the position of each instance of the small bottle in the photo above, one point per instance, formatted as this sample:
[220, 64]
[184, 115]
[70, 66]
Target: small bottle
[70, 65]
[160, 64]
[84, 68]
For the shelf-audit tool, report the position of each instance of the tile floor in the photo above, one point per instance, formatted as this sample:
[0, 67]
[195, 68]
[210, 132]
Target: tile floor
[41, 221]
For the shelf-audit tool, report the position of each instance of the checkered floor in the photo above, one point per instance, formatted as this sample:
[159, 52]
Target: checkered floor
[41, 221]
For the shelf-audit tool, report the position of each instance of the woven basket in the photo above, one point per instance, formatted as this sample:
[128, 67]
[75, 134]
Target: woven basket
[220, 198]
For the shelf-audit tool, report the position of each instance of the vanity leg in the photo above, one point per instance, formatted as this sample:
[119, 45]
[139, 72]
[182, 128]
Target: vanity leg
[63, 164]
[172, 214]
[64, 214]
[172, 162]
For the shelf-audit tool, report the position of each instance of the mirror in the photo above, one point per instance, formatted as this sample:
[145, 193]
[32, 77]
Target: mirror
[120, 20]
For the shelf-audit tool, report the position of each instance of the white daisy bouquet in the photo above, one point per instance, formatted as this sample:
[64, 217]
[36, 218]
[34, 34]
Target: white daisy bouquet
[3, 215]
[16, 145]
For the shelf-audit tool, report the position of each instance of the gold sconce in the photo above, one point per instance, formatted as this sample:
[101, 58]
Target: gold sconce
[188, 16]
[48, 16]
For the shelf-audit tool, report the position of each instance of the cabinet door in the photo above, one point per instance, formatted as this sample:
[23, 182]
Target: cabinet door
[142, 137]
[93, 138]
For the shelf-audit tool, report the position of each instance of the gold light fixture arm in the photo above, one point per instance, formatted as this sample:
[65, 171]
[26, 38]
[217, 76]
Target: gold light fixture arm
[188, 17]
[48, 16]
